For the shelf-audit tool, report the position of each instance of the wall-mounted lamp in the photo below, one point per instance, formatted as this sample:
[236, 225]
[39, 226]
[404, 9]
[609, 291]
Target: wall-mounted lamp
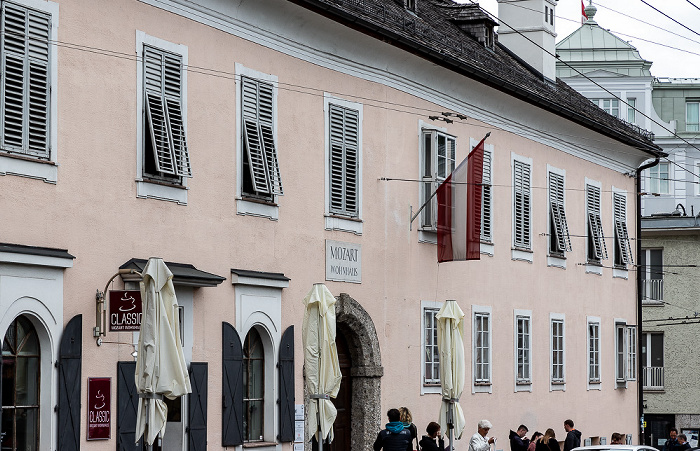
[100, 329]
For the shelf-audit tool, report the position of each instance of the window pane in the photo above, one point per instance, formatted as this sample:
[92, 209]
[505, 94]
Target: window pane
[441, 149]
[8, 430]
[8, 381]
[27, 434]
[253, 423]
[27, 383]
[692, 117]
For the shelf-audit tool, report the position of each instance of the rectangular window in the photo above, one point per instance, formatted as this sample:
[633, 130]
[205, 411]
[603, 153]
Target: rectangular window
[623, 249]
[437, 161]
[659, 178]
[482, 348]
[559, 240]
[523, 349]
[261, 173]
[431, 374]
[692, 116]
[344, 147]
[25, 53]
[551, 16]
[652, 355]
[165, 153]
[546, 14]
[597, 249]
[593, 352]
[651, 266]
[632, 353]
[557, 350]
[611, 106]
[620, 352]
[486, 199]
[522, 205]
[631, 111]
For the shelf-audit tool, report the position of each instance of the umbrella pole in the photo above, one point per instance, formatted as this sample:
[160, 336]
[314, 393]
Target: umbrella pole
[318, 399]
[450, 424]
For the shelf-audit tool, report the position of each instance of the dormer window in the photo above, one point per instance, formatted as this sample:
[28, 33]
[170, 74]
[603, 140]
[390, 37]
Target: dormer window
[410, 4]
[488, 35]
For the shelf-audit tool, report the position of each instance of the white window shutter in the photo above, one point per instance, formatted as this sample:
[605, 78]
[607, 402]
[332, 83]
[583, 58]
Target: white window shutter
[620, 210]
[595, 225]
[344, 146]
[556, 207]
[155, 114]
[521, 190]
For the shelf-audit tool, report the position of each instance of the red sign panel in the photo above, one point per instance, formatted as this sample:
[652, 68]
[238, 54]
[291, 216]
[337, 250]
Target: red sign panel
[99, 413]
[124, 310]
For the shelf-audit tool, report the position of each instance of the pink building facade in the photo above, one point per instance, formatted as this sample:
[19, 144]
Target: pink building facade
[263, 146]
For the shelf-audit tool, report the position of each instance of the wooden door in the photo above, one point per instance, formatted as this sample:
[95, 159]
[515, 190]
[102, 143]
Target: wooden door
[343, 401]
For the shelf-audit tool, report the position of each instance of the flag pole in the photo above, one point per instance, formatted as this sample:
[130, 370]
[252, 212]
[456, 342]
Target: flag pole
[414, 216]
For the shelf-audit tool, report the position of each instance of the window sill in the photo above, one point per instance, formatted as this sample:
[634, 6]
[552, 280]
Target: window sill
[344, 224]
[487, 248]
[482, 387]
[652, 303]
[594, 268]
[251, 207]
[556, 261]
[557, 386]
[430, 389]
[20, 165]
[523, 386]
[522, 255]
[151, 189]
[620, 273]
[427, 236]
[259, 445]
[595, 385]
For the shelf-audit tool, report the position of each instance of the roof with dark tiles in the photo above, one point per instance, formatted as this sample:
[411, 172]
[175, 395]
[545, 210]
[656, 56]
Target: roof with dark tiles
[430, 32]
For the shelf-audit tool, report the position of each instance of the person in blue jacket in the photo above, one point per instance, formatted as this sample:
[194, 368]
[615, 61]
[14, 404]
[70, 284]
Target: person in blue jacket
[395, 437]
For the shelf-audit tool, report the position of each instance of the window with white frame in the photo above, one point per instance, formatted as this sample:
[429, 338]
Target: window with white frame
[486, 199]
[165, 154]
[523, 349]
[557, 350]
[659, 178]
[437, 163]
[611, 106]
[622, 248]
[253, 387]
[482, 348]
[651, 267]
[692, 116]
[521, 205]
[620, 352]
[344, 148]
[261, 173]
[632, 111]
[431, 354]
[559, 239]
[632, 353]
[25, 52]
[593, 352]
[597, 250]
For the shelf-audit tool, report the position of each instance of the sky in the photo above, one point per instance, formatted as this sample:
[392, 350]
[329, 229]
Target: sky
[668, 62]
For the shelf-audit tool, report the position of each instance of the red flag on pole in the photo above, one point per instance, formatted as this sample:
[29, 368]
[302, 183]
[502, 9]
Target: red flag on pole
[584, 17]
[459, 209]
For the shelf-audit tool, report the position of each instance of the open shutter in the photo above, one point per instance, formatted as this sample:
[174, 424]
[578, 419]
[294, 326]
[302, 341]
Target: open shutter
[486, 199]
[286, 378]
[232, 387]
[197, 412]
[69, 385]
[623, 241]
[521, 186]
[266, 121]
[252, 136]
[127, 407]
[595, 226]
[556, 206]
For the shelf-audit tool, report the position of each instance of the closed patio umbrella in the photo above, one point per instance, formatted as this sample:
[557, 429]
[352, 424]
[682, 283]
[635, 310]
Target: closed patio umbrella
[320, 361]
[161, 369]
[451, 347]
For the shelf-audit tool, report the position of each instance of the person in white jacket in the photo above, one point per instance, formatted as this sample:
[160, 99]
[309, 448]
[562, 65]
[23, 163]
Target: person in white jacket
[479, 441]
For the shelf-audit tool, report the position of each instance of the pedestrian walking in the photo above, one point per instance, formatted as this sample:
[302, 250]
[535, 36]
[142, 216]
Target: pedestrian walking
[518, 441]
[395, 437]
[682, 443]
[407, 419]
[479, 441]
[672, 441]
[573, 437]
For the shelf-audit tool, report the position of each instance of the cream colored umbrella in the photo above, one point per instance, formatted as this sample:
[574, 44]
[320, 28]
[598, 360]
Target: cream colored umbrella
[320, 361]
[450, 323]
[161, 369]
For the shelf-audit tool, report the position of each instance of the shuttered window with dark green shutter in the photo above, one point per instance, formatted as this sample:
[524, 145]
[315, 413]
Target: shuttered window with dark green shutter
[344, 164]
[232, 387]
[26, 81]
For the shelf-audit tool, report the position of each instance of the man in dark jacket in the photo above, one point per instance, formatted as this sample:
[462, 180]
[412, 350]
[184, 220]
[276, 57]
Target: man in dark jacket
[573, 437]
[672, 442]
[517, 442]
[395, 437]
[683, 444]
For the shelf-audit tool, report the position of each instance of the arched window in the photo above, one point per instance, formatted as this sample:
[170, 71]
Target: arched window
[20, 386]
[254, 386]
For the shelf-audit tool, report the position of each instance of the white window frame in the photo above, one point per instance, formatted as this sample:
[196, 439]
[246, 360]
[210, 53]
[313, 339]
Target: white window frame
[244, 205]
[621, 353]
[557, 259]
[146, 188]
[522, 384]
[594, 267]
[632, 110]
[487, 245]
[609, 105]
[45, 170]
[621, 235]
[425, 306]
[632, 354]
[646, 275]
[434, 179]
[558, 385]
[333, 221]
[520, 252]
[484, 386]
[691, 127]
[654, 177]
[592, 382]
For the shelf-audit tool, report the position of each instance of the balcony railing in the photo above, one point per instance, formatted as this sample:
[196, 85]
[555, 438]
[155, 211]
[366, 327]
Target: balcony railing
[654, 378]
[653, 291]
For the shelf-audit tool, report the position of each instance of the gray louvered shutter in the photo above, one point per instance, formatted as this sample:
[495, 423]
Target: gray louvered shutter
[231, 387]
[69, 385]
[266, 120]
[556, 209]
[595, 225]
[127, 407]
[344, 147]
[197, 407]
[286, 381]
[486, 199]
[163, 92]
[521, 191]
[623, 240]
[25, 80]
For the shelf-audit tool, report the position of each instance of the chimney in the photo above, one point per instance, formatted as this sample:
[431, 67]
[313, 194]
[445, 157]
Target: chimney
[526, 27]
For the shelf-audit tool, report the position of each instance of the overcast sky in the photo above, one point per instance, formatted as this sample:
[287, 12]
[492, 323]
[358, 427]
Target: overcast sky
[667, 61]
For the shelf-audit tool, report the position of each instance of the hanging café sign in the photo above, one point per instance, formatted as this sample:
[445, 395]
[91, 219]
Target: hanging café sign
[124, 310]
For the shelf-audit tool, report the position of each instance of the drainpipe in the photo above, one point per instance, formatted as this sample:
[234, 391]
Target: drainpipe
[640, 288]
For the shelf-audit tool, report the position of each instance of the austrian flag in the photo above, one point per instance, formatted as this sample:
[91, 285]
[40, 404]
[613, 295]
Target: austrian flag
[459, 209]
